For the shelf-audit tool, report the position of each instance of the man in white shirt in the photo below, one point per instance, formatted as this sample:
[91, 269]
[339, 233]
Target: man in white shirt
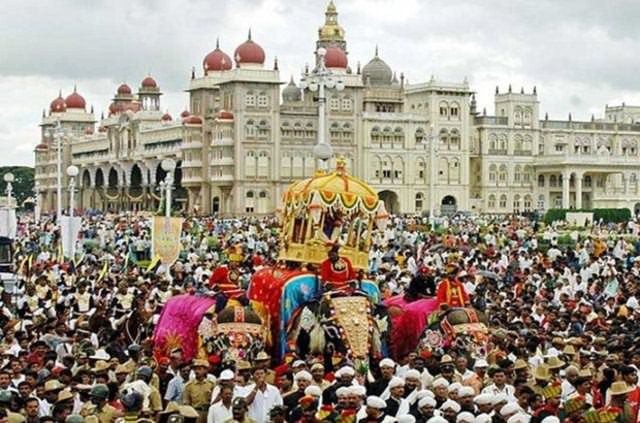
[500, 386]
[261, 397]
[221, 411]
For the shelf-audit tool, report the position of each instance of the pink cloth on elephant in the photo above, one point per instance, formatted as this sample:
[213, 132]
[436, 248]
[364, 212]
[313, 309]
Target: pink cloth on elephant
[179, 322]
[408, 325]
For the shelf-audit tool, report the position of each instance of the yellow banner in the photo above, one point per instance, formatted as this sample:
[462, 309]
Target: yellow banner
[166, 239]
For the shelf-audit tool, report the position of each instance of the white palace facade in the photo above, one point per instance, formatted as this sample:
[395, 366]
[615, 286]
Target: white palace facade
[246, 136]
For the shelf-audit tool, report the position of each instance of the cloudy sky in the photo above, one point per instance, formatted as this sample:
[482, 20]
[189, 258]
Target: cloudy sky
[581, 54]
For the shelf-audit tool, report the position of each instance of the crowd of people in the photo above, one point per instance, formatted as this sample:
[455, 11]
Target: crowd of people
[562, 346]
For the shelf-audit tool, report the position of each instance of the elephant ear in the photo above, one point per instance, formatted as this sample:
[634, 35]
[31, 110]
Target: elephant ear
[376, 342]
[308, 319]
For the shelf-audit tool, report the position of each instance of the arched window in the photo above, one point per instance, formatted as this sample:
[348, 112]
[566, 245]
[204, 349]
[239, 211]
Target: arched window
[421, 170]
[297, 166]
[516, 174]
[444, 109]
[502, 174]
[527, 173]
[398, 135]
[503, 143]
[517, 140]
[493, 143]
[398, 170]
[454, 140]
[491, 203]
[419, 202]
[516, 203]
[250, 129]
[386, 168]
[454, 111]
[250, 164]
[263, 164]
[541, 202]
[444, 138]
[553, 181]
[249, 202]
[503, 201]
[376, 168]
[285, 165]
[527, 203]
[493, 170]
[419, 136]
[375, 135]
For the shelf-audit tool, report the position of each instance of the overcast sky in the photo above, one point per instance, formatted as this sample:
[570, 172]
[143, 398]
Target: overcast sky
[581, 54]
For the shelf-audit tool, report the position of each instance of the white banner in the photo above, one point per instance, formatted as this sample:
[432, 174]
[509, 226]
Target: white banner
[70, 229]
[8, 223]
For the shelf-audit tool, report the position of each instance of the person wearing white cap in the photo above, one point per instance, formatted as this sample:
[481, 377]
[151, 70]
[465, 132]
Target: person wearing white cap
[227, 378]
[437, 419]
[550, 419]
[317, 371]
[449, 410]
[302, 380]
[509, 409]
[440, 386]
[396, 404]
[344, 377]
[519, 418]
[313, 391]
[484, 403]
[426, 408]
[412, 385]
[406, 418]
[465, 399]
[465, 417]
[453, 390]
[387, 370]
[375, 410]
[483, 418]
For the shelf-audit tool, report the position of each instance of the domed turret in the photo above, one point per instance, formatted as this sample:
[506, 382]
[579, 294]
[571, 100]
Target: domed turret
[124, 89]
[167, 117]
[185, 113]
[149, 82]
[217, 60]
[291, 92]
[75, 100]
[58, 105]
[192, 120]
[377, 72]
[336, 58]
[249, 52]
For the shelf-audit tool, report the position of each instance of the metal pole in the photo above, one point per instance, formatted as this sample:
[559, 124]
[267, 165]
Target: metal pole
[58, 137]
[37, 207]
[72, 187]
[322, 164]
[168, 182]
[432, 177]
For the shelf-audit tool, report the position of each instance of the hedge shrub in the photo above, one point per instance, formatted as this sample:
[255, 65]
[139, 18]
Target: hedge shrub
[607, 215]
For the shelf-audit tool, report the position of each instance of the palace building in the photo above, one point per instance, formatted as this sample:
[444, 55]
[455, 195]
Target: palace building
[247, 136]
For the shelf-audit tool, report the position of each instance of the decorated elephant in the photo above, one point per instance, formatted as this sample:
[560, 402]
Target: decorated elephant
[336, 325]
[307, 319]
[202, 326]
[463, 329]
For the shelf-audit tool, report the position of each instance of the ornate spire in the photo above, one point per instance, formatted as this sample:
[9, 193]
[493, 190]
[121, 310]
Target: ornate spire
[217, 43]
[358, 68]
[509, 88]
[193, 72]
[249, 37]
[92, 109]
[275, 63]
[535, 90]
[376, 53]
[521, 90]
[497, 90]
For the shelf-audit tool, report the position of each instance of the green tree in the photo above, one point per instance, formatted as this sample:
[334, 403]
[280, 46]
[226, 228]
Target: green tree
[23, 182]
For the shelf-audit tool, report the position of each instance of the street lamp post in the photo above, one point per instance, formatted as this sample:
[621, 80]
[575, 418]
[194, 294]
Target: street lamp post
[318, 81]
[168, 165]
[9, 178]
[58, 135]
[72, 172]
[433, 151]
[36, 209]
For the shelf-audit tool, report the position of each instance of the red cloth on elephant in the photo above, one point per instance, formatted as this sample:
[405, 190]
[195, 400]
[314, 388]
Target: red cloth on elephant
[227, 281]
[339, 273]
[452, 292]
[408, 323]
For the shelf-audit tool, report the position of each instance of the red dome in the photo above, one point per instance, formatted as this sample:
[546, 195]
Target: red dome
[192, 120]
[336, 58]
[75, 100]
[102, 129]
[124, 89]
[42, 147]
[149, 82]
[217, 60]
[58, 105]
[249, 52]
[223, 114]
[185, 114]
[166, 117]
